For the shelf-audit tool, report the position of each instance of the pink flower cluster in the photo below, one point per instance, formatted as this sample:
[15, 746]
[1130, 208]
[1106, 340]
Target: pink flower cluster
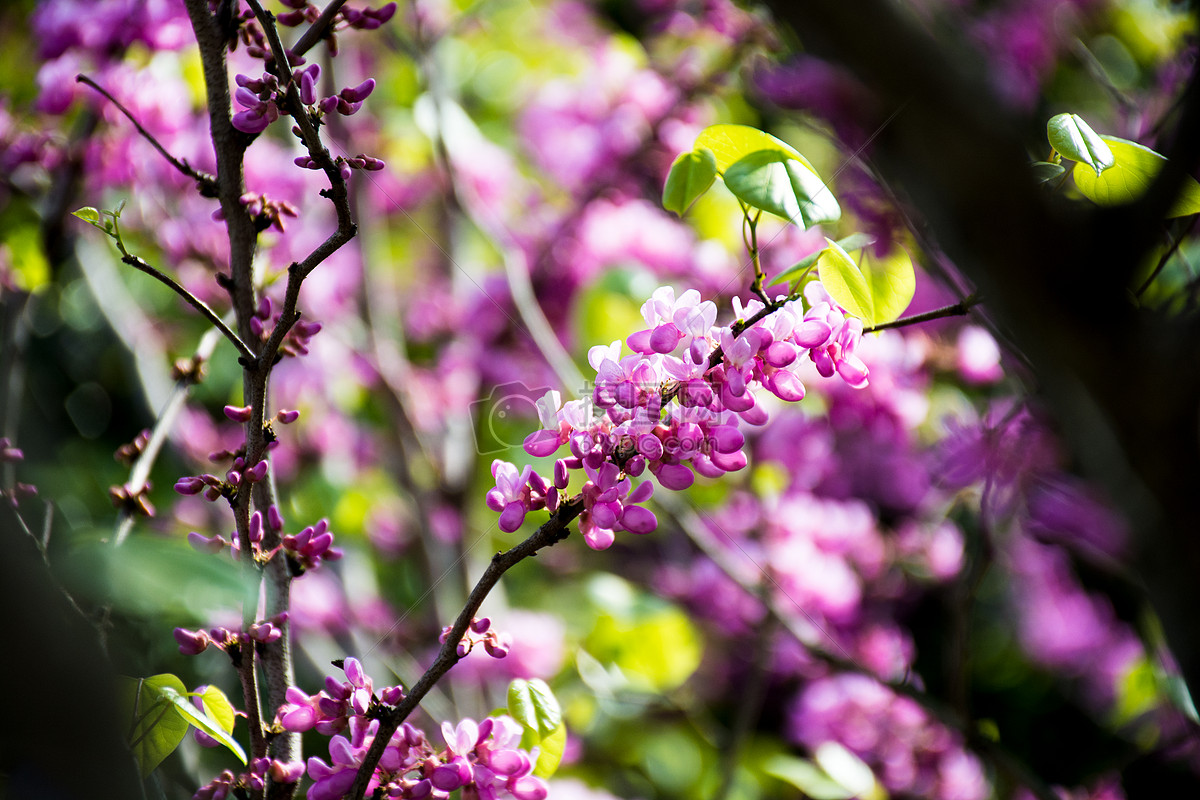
[253, 779]
[193, 643]
[337, 705]
[480, 632]
[710, 372]
[484, 759]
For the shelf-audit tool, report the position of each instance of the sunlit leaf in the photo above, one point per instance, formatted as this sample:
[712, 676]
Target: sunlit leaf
[807, 777]
[550, 755]
[157, 727]
[690, 176]
[845, 282]
[218, 707]
[534, 705]
[778, 183]
[892, 283]
[1074, 139]
[848, 770]
[730, 143]
[88, 214]
[855, 241]
[1127, 180]
[203, 721]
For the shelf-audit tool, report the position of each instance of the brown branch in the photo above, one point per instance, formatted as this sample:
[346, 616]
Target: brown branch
[959, 309]
[194, 302]
[317, 30]
[551, 532]
[207, 184]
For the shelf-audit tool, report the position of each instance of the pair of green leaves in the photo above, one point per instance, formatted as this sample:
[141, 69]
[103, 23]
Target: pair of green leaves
[759, 170]
[874, 289]
[1108, 170]
[107, 221]
[534, 705]
[162, 714]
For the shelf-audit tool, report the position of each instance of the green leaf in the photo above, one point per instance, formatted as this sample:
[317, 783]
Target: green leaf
[855, 241]
[218, 707]
[690, 176]
[1046, 171]
[1127, 180]
[534, 705]
[1074, 139]
[807, 777]
[777, 182]
[891, 281]
[848, 770]
[731, 143]
[203, 721]
[88, 214]
[157, 727]
[551, 753]
[845, 282]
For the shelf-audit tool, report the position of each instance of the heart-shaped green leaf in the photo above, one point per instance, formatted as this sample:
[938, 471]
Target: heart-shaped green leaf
[892, 283]
[778, 183]
[1074, 139]
[690, 176]
[845, 282]
[730, 143]
[157, 727]
[797, 271]
[534, 705]
[1127, 180]
[1045, 171]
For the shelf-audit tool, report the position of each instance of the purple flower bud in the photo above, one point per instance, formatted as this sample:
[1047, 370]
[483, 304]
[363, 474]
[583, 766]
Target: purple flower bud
[329, 104]
[391, 695]
[561, 478]
[207, 544]
[676, 477]
[374, 164]
[354, 672]
[540, 444]
[344, 171]
[191, 642]
[481, 624]
[304, 161]
[189, 485]
[256, 527]
[308, 88]
[382, 14]
[234, 477]
[250, 121]
[258, 472]
[274, 518]
[239, 413]
[299, 719]
[635, 466]
[512, 517]
[496, 649]
[256, 327]
[637, 519]
[286, 773]
[212, 493]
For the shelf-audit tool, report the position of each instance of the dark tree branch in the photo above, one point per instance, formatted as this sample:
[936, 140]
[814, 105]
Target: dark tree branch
[207, 184]
[551, 532]
[1125, 383]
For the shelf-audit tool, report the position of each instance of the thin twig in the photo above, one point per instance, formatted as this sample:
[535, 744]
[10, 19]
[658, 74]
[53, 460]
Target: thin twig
[205, 182]
[551, 532]
[317, 30]
[1162, 262]
[194, 302]
[957, 310]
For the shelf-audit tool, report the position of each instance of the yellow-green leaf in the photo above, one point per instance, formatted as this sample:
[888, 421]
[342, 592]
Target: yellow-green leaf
[690, 176]
[1127, 180]
[550, 755]
[1075, 139]
[157, 727]
[729, 143]
[845, 282]
[892, 283]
